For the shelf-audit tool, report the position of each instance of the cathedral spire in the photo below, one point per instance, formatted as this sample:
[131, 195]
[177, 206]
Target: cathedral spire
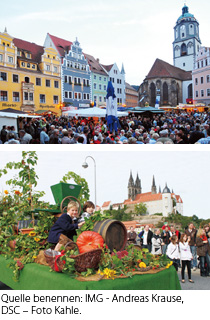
[154, 189]
[5, 30]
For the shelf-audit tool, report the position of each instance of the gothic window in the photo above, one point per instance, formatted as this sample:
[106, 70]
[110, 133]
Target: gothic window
[190, 91]
[152, 94]
[183, 49]
[165, 93]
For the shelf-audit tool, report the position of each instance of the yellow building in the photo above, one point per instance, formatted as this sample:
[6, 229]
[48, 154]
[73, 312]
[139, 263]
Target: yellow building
[30, 76]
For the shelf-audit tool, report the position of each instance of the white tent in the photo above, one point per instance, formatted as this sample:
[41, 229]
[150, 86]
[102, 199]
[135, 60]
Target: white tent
[11, 119]
[91, 112]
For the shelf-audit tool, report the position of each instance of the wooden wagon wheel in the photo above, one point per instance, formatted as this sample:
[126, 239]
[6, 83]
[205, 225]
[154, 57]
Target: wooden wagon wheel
[66, 200]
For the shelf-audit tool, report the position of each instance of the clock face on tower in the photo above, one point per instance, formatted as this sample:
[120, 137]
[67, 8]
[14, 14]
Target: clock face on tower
[182, 28]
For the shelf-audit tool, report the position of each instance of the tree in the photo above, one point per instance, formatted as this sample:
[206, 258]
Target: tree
[140, 209]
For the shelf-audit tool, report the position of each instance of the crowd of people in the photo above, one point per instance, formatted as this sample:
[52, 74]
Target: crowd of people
[168, 128]
[189, 249]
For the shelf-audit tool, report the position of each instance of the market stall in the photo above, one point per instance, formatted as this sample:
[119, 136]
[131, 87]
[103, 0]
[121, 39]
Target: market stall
[38, 277]
[91, 112]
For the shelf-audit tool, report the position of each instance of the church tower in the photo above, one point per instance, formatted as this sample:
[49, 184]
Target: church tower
[138, 188]
[186, 40]
[154, 189]
[131, 188]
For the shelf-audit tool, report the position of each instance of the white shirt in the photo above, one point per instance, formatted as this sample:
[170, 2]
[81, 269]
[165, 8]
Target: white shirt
[145, 237]
[185, 252]
[173, 251]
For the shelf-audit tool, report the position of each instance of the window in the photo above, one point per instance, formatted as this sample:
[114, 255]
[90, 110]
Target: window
[202, 93]
[95, 98]
[75, 95]
[28, 55]
[38, 81]
[79, 81]
[15, 78]
[105, 79]
[56, 84]
[1, 57]
[87, 82]
[196, 94]
[26, 96]
[104, 87]
[99, 78]
[104, 99]
[42, 98]
[201, 80]
[70, 95]
[118, 90]
[100, 99]
[118, 81]
[3, 76]
[47, 83]
[31, 96]
[65, 79]
[66, 94]
[16, 97]
[94, 77]
[88, 96]
[84, 96]
[55, 99]
[56, 69]
[33, 66]
[99, 86]
[94, 86]
[70, 80]
[208, 79]
[79, 95]
[27, 80]
[48, 67]
[184, 64]
[196, 81]
[75, 80]
[202, 64]
[3, 96]
[208, 92]
[28, 65]
[10, 59]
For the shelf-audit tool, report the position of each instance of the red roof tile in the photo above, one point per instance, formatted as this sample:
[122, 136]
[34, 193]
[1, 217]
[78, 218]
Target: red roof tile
[106, 204]
[35, 50]
[62, 45]
[145, 197]
[94, 64]
[108, 68]
[162, 69]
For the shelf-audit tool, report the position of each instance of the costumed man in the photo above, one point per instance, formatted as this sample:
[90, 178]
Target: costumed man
[111, 109]
[131, 237]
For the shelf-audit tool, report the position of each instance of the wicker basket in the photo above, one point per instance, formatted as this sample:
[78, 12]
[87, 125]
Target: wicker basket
[87, 260]
[144, 269]
[53, 259]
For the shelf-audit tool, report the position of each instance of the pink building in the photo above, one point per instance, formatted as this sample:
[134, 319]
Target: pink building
[201, 77]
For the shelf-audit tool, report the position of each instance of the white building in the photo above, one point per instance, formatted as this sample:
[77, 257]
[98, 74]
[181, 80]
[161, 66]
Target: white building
[118, 80]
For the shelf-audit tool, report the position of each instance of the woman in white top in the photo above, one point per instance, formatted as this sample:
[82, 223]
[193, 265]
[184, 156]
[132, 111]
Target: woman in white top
[156, 242]
[186, 256]
[173, 251]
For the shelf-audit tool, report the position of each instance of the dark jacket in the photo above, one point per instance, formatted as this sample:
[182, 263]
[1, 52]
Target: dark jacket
[202, 248]
[166, 235]
[149, 237]
[64, 226]
[192, 236]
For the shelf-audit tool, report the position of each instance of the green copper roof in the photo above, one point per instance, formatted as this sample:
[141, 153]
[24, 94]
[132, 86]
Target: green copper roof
[185, 14]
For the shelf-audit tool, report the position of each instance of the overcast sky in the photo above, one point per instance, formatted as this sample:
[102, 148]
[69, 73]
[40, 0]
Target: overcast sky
[133, 32]
[187, 173]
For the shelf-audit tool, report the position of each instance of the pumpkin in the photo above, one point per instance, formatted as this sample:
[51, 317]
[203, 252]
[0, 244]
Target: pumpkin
[89, 240]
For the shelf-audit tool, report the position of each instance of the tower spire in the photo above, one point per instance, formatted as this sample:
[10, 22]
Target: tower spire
[154, 189]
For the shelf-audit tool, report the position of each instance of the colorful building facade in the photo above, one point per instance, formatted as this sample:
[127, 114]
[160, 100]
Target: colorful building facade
[131, 96]
[76, 79]
[201, 77]
[99, 81]
[30, 76]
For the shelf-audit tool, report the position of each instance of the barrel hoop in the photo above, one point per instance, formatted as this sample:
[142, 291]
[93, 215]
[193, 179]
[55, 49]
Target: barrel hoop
[97, 226]
[104, 227]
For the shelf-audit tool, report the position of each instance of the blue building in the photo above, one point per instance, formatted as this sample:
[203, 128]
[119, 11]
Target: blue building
[75, 75]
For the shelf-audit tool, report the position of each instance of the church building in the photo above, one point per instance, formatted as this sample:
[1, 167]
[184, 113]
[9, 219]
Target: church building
[164, 202]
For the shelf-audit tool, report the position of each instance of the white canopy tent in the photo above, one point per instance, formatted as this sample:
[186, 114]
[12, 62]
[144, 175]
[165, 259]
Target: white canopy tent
[91, 112]
[11, 119]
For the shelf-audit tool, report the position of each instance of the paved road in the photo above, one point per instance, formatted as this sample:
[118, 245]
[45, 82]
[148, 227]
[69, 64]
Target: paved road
[201, 283]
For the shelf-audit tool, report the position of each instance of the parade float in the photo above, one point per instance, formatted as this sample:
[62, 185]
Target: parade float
[98, 252]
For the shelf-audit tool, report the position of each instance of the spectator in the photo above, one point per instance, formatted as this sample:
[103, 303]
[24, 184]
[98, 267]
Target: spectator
[203, 251]
[185, 256]
[146, 238]
[11, 139]
[191, 232]
[156, 242]
[131, 236]
[44, 138]
[3, 134]
[165, 235]
[25, 137]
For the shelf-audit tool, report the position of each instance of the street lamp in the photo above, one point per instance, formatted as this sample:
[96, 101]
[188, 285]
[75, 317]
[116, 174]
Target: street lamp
[85, 165]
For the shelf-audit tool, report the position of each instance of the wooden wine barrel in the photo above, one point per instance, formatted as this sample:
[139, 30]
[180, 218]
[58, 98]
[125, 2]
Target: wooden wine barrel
[113, 232]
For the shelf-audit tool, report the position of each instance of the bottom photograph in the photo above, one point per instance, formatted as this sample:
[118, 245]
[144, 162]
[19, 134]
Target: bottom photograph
[104, 220]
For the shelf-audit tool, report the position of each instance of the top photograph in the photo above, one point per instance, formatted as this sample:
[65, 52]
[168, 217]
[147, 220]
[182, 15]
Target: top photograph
[115, 73]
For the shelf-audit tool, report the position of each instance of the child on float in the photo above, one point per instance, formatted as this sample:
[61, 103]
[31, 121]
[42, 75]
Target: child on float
[173, 251]
[66, 224]
[186, 257]
[88, 210]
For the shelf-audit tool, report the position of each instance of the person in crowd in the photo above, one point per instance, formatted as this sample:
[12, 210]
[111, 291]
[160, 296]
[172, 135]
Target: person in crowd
[88, 210]
[66, 224]
[131, 236]
[25, 137]
[146, 238]
[205, 140]
[174, 231]
[166, 236]
[4, 134]
[172, 251]
[191, 232]
[65, 139]
[156, 242]
[203, 251]
[54, 138]
[196, 135]
[44, 138]
[185, 256]
[11, 139]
